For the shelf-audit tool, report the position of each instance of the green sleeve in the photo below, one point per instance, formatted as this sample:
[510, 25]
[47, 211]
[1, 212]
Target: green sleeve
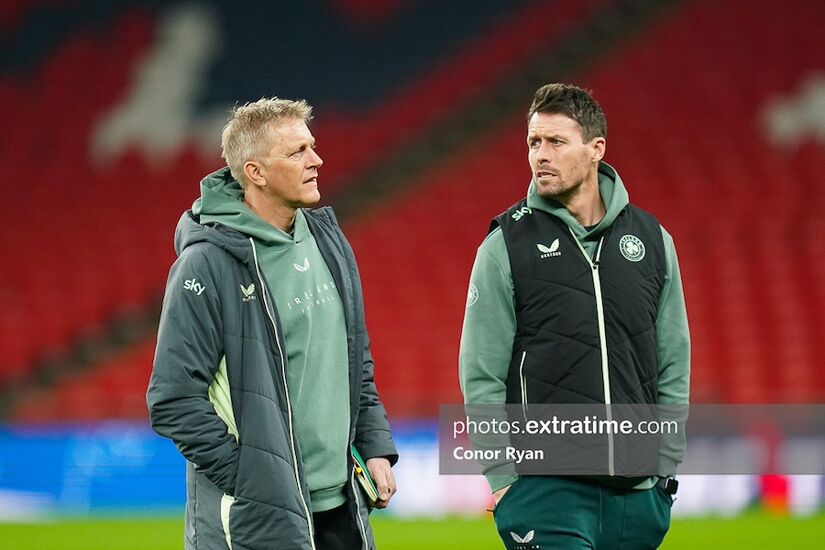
[673, 350]
[488, 332]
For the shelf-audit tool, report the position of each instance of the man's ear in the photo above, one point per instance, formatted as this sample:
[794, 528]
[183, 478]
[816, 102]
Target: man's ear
[598, 146]
[254, 173]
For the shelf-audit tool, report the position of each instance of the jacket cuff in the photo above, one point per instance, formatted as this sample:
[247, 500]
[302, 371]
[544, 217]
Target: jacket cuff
[380, 445]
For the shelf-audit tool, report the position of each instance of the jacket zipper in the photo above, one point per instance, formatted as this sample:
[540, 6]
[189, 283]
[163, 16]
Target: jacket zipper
[286, 392]
[597, 286]
[355, 490]
[523, 384]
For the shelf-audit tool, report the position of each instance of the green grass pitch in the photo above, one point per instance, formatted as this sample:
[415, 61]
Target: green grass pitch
[752, 530]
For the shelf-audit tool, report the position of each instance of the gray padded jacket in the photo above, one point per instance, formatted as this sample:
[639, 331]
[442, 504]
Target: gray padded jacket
[218, 390]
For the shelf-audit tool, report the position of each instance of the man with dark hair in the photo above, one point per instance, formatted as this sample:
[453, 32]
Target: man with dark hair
[576, 298]
[263, 376]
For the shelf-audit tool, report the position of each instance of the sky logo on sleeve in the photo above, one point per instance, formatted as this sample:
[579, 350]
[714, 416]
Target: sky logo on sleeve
[194, 286]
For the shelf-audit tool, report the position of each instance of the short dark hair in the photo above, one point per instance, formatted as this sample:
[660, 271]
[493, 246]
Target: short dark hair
[573, 102]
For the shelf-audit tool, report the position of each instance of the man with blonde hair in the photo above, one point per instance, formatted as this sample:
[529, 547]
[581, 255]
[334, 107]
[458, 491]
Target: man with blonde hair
[263, 375]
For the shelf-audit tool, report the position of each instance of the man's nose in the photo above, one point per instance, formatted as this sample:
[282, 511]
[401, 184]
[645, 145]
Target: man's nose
[543, 155]
[315, 161]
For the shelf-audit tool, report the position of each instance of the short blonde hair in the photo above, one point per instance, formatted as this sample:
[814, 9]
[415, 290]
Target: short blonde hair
[246, 134]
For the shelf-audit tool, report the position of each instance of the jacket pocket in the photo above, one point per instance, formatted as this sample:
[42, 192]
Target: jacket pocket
[664, 496]
[209, 514]
[507, 495]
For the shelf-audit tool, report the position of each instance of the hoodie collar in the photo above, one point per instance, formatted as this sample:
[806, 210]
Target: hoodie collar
[613, 194]
[190, 231]
[221, 202]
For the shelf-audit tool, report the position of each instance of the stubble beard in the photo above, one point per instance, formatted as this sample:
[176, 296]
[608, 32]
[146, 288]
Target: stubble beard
[557, 190]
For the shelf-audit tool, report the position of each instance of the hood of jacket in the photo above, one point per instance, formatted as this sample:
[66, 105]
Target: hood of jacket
[220, 196]
[613, 193]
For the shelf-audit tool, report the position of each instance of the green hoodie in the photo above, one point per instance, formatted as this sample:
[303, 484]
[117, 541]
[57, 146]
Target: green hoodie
[312, 317]
[490, 318]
